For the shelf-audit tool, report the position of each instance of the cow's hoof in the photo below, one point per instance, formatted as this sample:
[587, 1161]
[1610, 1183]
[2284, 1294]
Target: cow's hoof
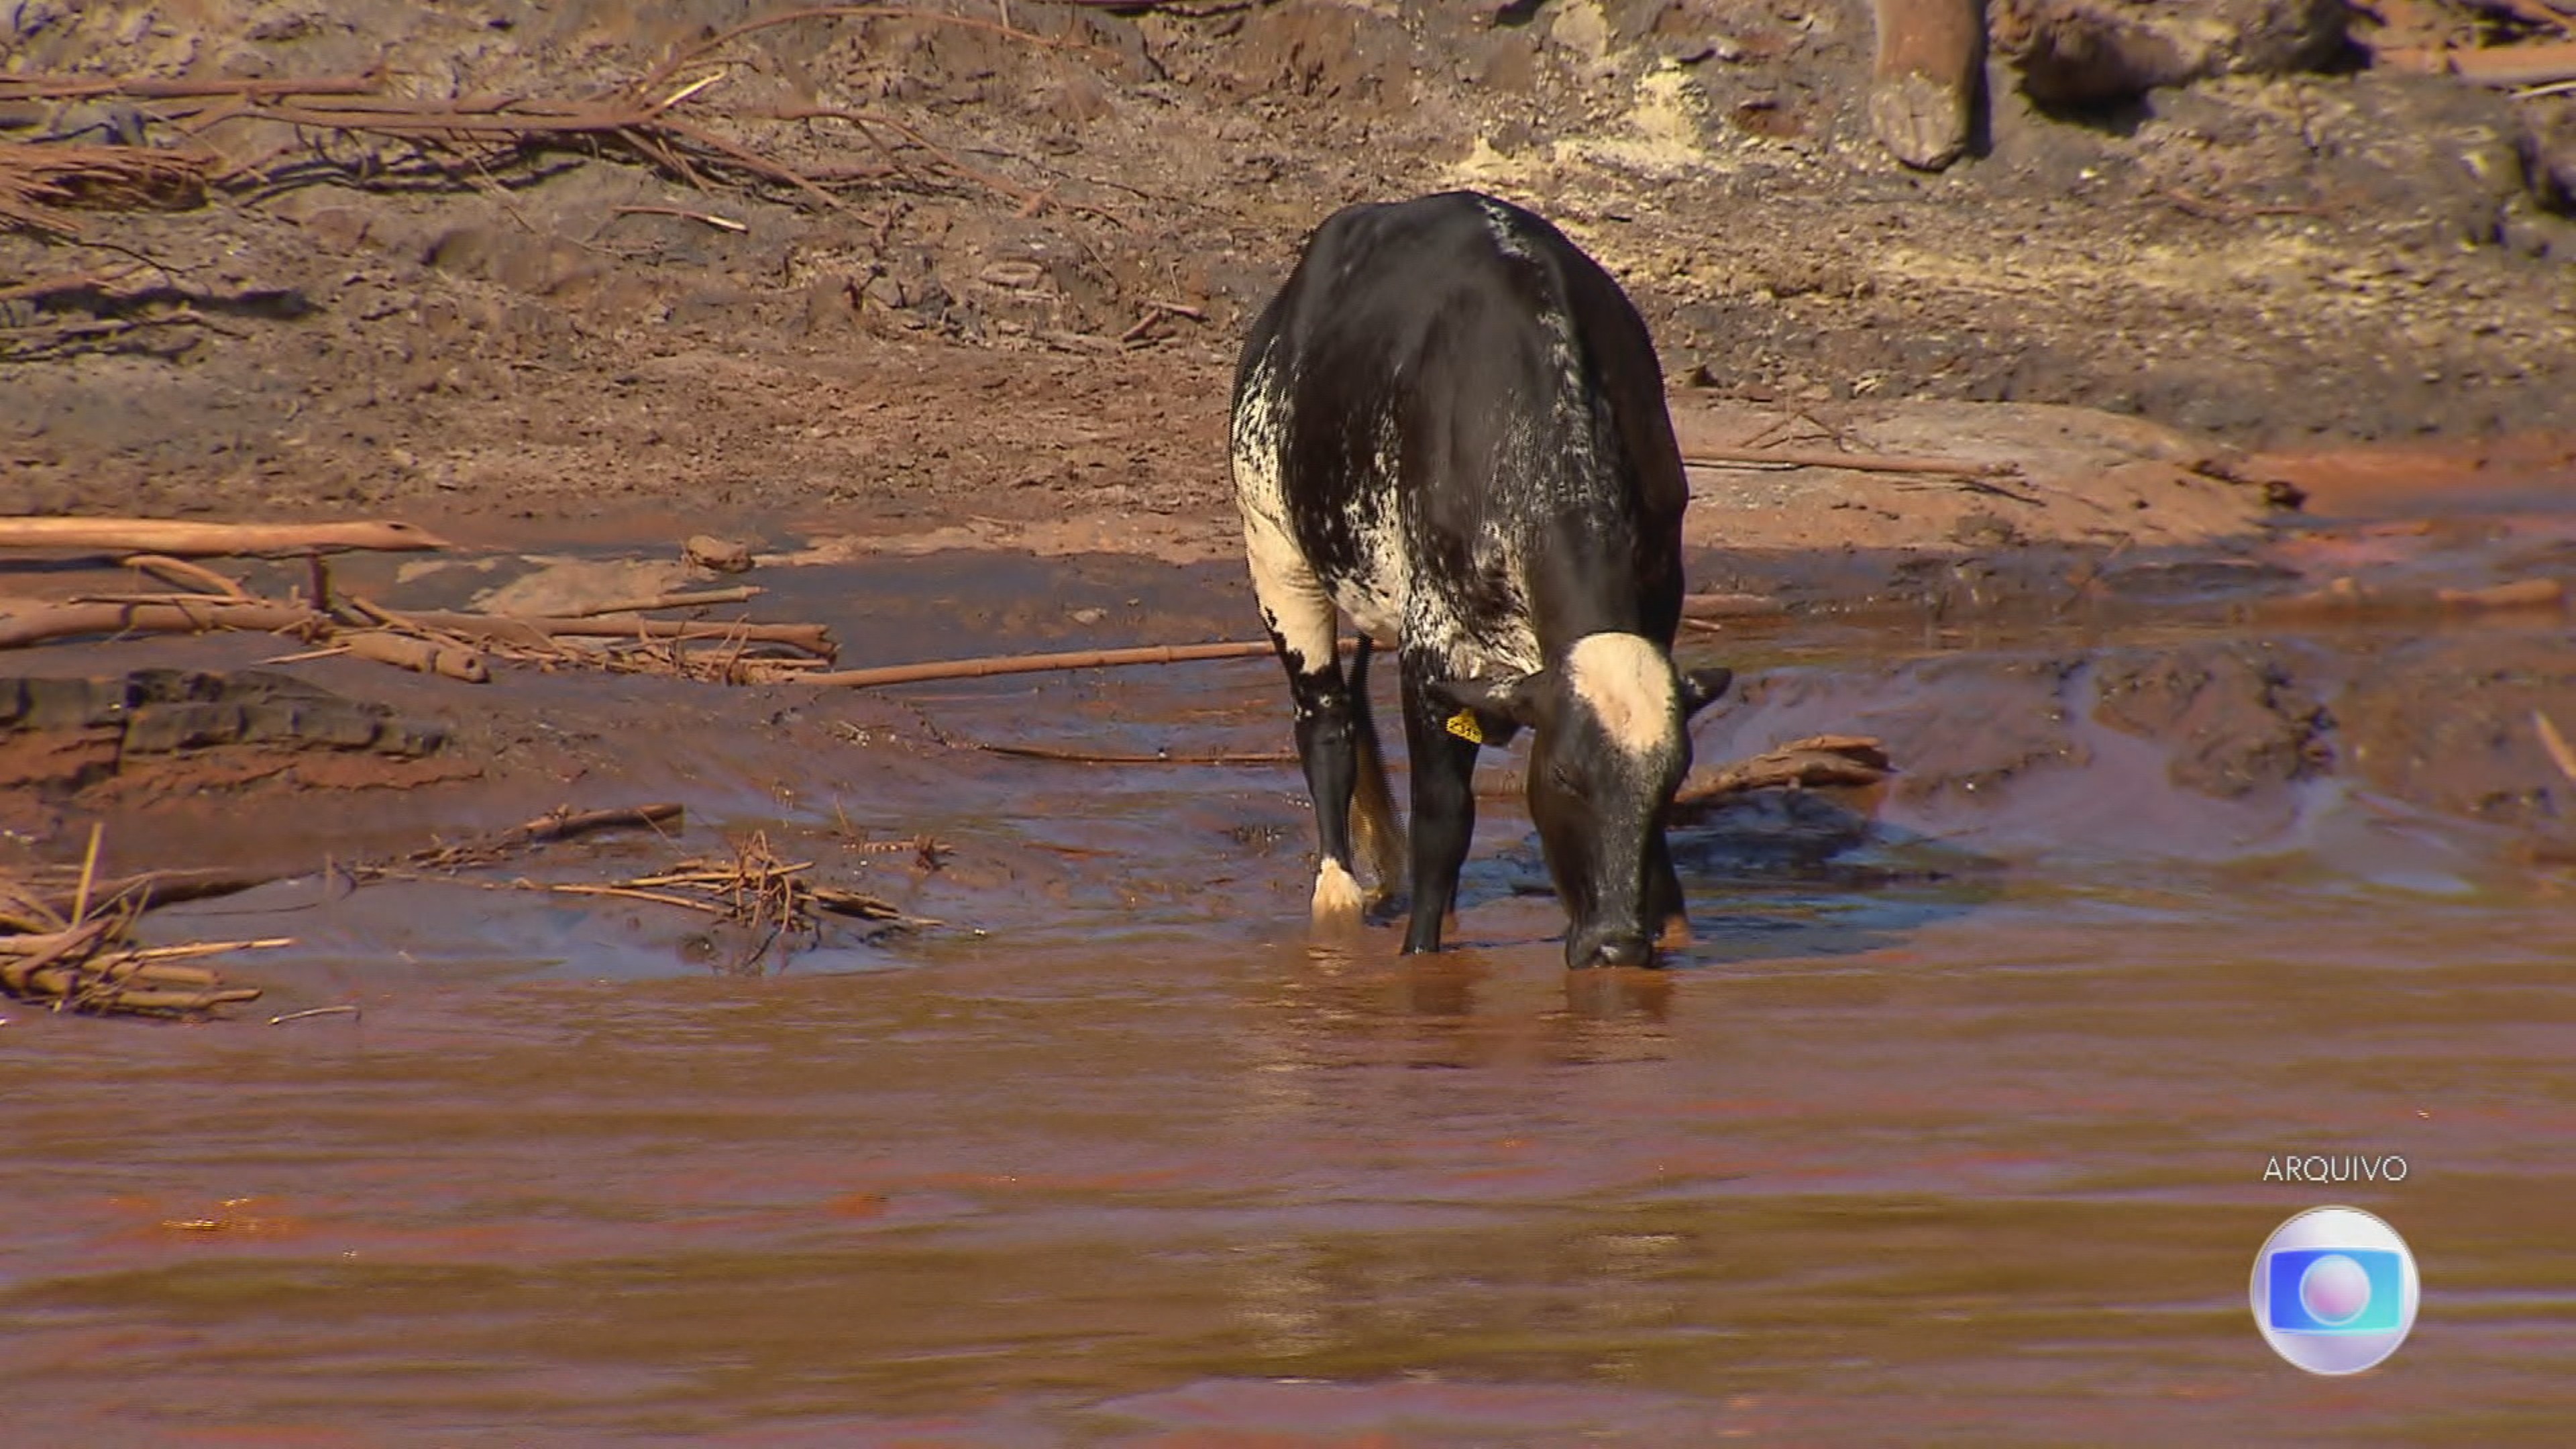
[1338, 899]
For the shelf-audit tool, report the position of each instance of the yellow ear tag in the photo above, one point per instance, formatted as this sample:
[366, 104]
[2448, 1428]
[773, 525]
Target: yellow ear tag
[1463, 725]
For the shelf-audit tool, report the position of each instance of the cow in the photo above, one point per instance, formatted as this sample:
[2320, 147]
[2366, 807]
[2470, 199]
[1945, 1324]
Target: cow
[1450, 425]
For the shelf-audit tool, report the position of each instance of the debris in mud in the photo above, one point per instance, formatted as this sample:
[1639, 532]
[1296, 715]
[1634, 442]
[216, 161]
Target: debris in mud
[67, 943]
[565, 824]
[723, 555]
[83, 958]
[774, 902]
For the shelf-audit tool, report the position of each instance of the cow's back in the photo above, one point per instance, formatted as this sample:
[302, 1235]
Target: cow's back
[1449, 409]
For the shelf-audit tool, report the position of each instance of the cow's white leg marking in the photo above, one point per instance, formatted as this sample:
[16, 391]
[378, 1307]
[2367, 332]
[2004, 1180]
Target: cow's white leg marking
[1627, 683]
[1294, 602]
[1338, 900]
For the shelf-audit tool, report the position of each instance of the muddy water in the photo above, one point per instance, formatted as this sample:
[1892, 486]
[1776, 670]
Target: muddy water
[1952, 1127]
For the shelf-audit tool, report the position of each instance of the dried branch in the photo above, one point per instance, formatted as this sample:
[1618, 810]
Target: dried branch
[813, 639]
[1854, 462]
[1819, 760]
[179, 616]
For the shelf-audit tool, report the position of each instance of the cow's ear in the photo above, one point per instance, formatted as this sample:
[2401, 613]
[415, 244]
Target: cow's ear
[1497, 707]
[1702, 687]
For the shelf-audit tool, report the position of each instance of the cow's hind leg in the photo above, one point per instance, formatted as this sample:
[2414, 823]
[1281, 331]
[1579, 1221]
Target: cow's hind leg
[1444, 805]
[1301, 619]
[1380, 830]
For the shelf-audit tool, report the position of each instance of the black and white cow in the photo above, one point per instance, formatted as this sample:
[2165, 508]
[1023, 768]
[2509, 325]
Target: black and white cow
[1450, 424]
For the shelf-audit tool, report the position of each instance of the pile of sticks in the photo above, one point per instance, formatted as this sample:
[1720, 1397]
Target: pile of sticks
[752, 887]
[776, 901]
[78, 954]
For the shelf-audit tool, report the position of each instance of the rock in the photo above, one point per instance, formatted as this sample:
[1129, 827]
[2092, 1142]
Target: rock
[720, 554]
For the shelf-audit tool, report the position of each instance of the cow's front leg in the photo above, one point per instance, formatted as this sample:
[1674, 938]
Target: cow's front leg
[1444, 804]
[1326, 747]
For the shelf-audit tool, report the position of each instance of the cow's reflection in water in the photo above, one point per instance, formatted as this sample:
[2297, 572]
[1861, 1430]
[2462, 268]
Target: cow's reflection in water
[1341, 1004]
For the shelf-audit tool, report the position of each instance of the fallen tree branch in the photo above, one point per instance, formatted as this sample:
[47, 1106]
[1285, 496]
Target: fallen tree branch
[183, 574]
[564, 824]
[1819, 760]
[703, 599]
[211, 540]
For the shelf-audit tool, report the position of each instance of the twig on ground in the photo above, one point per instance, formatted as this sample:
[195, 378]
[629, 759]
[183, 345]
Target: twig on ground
[1166, 757]
[720, 223]
[1854, 462]
[2555, 743]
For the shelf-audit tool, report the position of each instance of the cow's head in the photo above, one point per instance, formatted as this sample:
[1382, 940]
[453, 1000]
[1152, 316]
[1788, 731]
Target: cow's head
[1610, 747]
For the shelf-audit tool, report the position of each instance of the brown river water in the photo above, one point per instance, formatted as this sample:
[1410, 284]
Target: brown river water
[1951, 1128]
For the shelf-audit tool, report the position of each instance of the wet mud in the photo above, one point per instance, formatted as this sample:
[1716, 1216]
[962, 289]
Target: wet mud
[1950, 1126]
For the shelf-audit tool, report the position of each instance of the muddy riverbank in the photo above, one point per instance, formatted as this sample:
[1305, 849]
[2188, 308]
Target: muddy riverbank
[1955, 1115]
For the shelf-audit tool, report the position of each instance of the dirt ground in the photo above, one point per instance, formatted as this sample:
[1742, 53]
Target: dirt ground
[1036, 322]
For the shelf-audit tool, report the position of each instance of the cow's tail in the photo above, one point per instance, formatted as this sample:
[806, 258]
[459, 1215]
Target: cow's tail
[1375, 827]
